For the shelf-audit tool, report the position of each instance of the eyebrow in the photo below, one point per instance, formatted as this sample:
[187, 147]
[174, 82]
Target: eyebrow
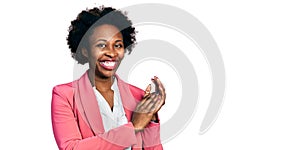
[101, 40]
[106, 40]
[119, 40]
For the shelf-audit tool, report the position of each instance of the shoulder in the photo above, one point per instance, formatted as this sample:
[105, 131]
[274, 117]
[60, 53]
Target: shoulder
[70, 86]
[63, 92]
[66, 87]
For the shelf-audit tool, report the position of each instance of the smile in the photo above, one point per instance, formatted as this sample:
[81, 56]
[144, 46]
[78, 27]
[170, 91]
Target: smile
[108, 65]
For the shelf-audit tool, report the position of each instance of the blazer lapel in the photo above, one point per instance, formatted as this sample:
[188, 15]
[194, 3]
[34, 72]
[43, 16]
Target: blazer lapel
[87, 104]
[128, 100]
[130, 97]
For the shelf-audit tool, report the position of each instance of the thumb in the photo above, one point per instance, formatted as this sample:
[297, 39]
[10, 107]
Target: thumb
[148, 89]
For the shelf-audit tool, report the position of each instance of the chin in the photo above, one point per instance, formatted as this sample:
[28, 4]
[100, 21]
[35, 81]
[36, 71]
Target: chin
[105, 73]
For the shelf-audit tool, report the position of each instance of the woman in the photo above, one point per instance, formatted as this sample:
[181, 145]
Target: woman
[99, 111]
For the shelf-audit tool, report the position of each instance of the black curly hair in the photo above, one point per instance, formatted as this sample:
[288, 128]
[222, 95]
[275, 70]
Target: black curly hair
[82, 27]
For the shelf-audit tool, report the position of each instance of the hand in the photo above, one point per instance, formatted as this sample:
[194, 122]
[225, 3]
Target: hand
[148, 107]
[160, 90]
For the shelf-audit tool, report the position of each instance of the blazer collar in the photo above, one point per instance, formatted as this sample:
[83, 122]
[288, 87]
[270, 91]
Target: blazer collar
[128, 100]
[87, 104]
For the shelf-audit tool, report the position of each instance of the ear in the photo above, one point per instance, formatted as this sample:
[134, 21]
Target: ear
[84, 52]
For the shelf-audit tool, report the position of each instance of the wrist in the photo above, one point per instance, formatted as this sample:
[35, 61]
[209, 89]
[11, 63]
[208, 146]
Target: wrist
[138, 130]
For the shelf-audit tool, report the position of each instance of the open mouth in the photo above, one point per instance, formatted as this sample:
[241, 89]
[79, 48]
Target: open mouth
[108, 64]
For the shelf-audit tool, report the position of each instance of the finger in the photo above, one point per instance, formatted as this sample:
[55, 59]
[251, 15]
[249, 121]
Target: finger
[151, 99]
[154, 80]
[152, 102]
[157, 106]
[143, 105]
[159, 88]
[145, 98]
[147, 91]
[149, 103]
[154, 107]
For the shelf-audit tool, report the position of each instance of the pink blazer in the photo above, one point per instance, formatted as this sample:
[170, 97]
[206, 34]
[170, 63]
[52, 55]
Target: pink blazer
[77, 122]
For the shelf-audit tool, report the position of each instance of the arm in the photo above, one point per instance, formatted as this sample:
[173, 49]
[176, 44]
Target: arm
[68, 136]
[151, 105]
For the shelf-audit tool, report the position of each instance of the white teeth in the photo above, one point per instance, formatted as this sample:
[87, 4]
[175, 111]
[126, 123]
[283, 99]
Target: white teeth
[108, 63]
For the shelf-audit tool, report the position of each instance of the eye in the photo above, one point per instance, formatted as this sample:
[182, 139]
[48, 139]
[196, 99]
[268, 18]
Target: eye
[118, 46]
[101, 45]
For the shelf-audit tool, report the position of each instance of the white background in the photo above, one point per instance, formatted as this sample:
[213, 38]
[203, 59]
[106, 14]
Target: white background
[258, 39]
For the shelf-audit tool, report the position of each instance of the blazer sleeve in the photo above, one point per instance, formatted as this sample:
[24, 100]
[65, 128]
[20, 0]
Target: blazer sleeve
[151, 137]
[151, 134]
[67, 133]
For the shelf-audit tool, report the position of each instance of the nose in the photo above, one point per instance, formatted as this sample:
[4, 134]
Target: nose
[111, 52]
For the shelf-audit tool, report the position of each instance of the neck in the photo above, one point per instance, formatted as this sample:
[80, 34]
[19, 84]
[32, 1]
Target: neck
[101, 83]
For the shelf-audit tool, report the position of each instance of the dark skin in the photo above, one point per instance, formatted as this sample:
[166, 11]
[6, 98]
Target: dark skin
[105, 53]
[151, 103]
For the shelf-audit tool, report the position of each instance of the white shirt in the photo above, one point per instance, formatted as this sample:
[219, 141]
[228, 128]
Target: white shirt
[115, 118]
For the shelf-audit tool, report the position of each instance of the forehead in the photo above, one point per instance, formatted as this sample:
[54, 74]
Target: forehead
[105, 32]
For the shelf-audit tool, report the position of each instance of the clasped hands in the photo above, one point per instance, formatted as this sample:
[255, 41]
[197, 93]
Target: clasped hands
[147, 108]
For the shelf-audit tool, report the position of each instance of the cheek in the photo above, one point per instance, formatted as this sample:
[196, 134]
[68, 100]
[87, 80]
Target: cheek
[95, 54]
[121, 54]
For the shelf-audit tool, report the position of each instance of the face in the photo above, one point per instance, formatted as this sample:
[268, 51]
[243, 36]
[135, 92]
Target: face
[105, 51]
